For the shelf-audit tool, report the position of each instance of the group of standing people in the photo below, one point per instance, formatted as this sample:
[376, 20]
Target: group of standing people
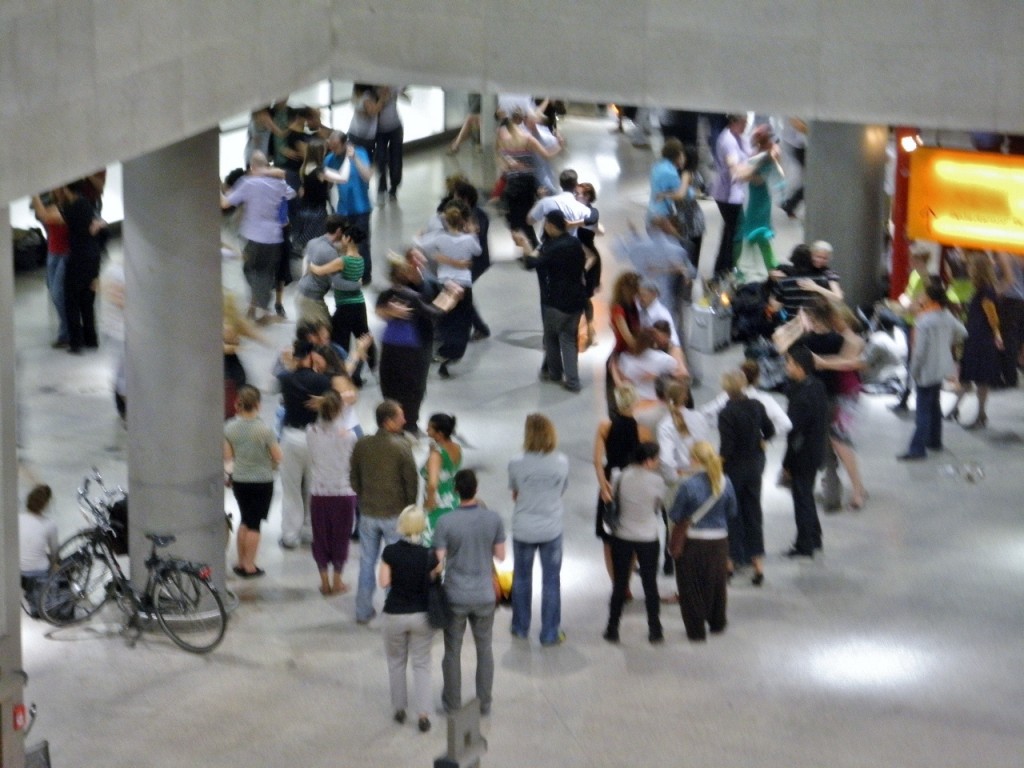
[76, 236]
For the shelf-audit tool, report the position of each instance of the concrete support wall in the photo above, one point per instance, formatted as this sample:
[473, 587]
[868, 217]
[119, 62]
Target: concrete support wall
[12, 747]
[106, 80]
[843, 183]
[175, 381]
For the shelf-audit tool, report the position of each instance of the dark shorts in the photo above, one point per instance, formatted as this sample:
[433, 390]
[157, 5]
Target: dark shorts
[253, 502]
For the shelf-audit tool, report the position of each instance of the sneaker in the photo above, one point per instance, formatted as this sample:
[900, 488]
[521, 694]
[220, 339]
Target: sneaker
[557, 641]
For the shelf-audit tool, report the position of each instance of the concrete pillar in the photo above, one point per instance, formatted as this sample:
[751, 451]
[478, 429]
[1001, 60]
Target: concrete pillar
[174, 353]
[12, 745]
[843, 200]
[488, 130]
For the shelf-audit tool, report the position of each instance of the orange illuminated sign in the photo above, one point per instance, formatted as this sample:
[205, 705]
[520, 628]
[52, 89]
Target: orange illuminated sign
[970, 199]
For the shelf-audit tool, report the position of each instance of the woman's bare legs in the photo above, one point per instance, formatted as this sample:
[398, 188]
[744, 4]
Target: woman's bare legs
[848, 457]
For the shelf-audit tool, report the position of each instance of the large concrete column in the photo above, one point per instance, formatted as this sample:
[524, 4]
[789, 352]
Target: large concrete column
[843, 201]
[12, 745]
[174, 355]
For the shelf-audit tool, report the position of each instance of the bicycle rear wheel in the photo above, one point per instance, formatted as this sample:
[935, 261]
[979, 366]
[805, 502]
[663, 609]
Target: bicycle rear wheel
[76, 590]
[190, 610]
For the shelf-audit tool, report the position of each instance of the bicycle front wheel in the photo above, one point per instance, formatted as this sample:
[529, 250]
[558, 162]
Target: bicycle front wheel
[190, 610]
[76, 590]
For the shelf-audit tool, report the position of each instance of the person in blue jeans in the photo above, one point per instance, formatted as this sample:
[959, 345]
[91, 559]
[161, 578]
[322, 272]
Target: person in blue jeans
[383, 475]
[931, 361]
[538, 478]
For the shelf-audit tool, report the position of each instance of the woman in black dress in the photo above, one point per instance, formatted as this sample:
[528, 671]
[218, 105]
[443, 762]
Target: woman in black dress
[980, 363]
[615, 446]
[410, 306]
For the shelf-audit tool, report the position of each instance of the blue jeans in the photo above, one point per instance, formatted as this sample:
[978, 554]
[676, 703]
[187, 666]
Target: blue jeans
[56, 264]
[928, 421]
[374, 534]
[550, 594]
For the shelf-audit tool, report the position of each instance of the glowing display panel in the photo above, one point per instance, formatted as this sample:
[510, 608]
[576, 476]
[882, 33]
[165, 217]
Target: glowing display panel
[970, 199]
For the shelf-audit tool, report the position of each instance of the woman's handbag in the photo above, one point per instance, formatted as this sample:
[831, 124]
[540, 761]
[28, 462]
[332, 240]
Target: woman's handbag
[438, 609]
[611, 514]
[677, 540]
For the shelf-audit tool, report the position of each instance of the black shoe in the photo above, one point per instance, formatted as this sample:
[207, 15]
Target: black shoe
[795, 552]
[669, 567]
[757, 579]
[479, 335]
[424, 724]
[611, 635]
[900, 407]
[279, 308]
[400, 716]
[655, 637]
[443, 371]
[912, 457]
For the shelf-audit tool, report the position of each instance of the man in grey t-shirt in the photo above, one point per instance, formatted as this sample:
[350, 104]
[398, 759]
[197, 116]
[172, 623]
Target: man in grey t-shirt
[468, 539]
[320, 251]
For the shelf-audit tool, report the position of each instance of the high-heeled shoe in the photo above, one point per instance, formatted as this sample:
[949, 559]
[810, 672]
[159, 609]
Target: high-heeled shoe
[757, 579]
[978, 423]
[953, 415]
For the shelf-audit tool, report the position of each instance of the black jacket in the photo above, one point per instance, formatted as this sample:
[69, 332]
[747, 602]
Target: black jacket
[809, 412]
[559, 263]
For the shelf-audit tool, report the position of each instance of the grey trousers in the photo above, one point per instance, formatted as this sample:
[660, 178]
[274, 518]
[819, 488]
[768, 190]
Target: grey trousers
[260, 270]
[560, 350]
[296, 477]
[408, 637]
[481, 623]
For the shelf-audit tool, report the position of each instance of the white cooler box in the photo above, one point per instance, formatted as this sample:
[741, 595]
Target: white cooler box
[711, 329]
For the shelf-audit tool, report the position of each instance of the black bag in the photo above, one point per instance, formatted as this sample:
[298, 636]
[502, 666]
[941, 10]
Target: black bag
[29, 247]
[610, 512]
[438, 609]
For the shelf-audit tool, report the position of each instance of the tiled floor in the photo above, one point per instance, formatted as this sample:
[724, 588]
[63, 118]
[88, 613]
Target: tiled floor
[900, 647]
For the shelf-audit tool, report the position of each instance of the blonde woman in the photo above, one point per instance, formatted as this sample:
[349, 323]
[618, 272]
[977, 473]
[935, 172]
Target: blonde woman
[403, 572]
[703, 506]
[538, 478]
[251, 454]
[678, 431]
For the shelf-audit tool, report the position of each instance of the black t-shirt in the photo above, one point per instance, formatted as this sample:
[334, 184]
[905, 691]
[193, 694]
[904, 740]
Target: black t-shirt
[824, 344]
[410, 564]
[296, 389]
[83, 260]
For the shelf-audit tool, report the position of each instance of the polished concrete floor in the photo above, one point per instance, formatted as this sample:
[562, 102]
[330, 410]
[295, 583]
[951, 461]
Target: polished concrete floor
[901, 646]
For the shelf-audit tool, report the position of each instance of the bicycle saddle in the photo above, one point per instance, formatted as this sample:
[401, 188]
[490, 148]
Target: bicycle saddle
[160, 541]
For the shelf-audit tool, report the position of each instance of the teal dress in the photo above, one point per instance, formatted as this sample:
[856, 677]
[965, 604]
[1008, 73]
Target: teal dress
[447, 499]
[757, 232]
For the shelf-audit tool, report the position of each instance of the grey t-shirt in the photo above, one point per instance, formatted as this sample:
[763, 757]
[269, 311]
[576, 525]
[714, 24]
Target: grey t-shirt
[640, 494]
[538, 480]
[468, 536]
[319, 251]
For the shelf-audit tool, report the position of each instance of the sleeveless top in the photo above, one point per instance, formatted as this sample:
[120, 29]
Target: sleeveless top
[447, 499]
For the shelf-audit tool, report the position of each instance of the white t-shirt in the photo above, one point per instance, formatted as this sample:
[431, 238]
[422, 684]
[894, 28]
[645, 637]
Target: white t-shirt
[641, 370]
[37, 539]
[675, 448]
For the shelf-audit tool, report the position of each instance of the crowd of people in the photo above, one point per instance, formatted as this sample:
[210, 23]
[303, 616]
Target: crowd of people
[666, 494]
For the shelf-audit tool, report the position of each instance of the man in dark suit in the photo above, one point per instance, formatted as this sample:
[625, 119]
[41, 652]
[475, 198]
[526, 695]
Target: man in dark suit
[805, 446]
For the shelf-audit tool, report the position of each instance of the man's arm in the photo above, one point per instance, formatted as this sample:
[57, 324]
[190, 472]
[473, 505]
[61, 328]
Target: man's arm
[410, 477]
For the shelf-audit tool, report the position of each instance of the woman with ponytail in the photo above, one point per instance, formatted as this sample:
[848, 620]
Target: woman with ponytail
[699, 544]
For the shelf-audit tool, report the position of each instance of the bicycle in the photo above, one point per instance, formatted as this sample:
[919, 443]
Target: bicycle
[178, 593]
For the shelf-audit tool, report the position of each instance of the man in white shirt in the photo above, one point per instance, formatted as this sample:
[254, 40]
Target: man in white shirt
[573, 210]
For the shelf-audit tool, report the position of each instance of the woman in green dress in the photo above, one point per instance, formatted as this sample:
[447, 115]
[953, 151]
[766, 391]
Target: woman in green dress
[765, 173]
[444, 460]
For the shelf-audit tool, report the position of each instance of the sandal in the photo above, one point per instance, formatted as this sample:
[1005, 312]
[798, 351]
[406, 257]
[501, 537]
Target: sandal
[326, 591]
